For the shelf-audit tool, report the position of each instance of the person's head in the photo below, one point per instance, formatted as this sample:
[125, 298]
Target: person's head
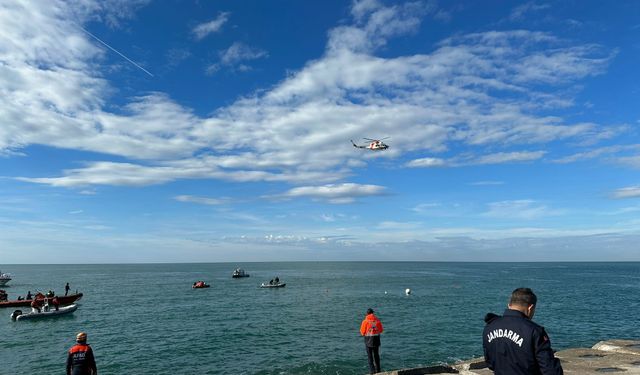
[369, 311]
[523, 300]
[81, 338]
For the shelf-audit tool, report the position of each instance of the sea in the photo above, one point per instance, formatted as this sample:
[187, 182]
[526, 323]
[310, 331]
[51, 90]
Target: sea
[146, 318]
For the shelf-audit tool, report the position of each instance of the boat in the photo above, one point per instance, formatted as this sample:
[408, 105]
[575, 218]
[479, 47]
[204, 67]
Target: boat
[278, 285]
[64, 300]
[200, 284]
[45, 313]
[4, 278]
[238, 273]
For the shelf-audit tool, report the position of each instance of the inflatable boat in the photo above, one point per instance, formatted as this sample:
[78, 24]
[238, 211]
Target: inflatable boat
[52, 312]
[64, 300]
[267, 285]
[200, 284]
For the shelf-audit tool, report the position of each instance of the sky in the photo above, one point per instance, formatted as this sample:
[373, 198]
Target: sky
[220, 131]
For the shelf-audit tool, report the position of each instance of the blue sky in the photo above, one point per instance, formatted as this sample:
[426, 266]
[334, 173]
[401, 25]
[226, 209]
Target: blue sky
[177, 131]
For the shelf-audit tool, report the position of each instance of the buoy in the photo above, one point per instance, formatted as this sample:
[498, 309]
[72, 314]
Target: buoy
[407, 291]
[385, 292]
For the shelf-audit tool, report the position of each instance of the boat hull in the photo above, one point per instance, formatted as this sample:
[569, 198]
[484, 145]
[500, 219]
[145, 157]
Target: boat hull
[64, 300]
[273, 286]
[45, 314]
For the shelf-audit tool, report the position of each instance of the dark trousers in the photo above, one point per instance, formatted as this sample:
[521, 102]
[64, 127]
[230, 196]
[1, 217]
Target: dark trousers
[373, 355]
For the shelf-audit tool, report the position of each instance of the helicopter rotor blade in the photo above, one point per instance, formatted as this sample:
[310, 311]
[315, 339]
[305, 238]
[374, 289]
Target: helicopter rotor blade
[382, 139]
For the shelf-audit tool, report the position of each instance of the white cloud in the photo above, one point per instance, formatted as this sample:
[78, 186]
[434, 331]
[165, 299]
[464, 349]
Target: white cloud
[234, 55]
[426, 163]
[631, 161]
[444, 210]
[426, 207]
[525, 9]
[497, 158]
[519, 209]
[200, 200]
[600, 151]
[202, 30]
[328, 218]
[375, 25]
[509, 157]
[627, 192]
[362, 8]
[334, 193]
[239, 52]
[472, 91]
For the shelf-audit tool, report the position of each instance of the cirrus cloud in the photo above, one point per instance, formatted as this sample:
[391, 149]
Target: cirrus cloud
[215, 25]
[334, 193]
[627, 192]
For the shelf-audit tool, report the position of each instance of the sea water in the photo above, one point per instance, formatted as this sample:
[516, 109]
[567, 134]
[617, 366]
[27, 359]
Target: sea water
[146, 318]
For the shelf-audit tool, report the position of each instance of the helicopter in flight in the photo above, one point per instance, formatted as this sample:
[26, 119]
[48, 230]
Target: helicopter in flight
[374, 144]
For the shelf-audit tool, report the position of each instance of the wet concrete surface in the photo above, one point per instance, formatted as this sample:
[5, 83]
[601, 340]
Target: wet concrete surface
[605, 357]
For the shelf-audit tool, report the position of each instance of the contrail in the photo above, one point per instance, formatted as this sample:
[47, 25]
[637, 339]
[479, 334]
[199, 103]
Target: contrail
[114, 50]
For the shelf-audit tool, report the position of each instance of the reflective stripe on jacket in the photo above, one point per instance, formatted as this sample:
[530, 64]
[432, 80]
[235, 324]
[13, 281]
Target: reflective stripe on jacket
[80, 360]
[371, 328]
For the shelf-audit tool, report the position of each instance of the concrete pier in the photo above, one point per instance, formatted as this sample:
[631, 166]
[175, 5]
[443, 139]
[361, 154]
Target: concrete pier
[611, 356]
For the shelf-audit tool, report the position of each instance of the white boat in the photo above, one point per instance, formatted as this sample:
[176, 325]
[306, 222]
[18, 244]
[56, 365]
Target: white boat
[238, 273]
[278, 285]
[4, 278]
[50, 313]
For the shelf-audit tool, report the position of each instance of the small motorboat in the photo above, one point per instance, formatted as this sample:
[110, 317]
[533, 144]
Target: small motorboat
[238, 273]
[64, 300]
[268, 285]
[4, 278]
[45, 313]
[200, 284]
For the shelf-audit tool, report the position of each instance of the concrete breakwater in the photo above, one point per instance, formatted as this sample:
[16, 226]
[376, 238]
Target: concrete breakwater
[605, 357]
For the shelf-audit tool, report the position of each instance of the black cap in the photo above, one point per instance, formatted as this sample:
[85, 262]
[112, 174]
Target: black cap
[369, 311]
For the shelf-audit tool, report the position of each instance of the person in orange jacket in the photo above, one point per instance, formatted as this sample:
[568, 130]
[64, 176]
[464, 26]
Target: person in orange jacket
[371, 328]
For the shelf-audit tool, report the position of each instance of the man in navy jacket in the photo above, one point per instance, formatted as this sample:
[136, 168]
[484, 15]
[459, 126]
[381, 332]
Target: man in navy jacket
[515, 345]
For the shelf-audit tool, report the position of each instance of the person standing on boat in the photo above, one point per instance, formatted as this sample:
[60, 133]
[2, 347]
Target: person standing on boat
[55, 303]
[36, 304]
[514, 345]
[28, 295]
[66, 289]
[80, 360]
[371, 328]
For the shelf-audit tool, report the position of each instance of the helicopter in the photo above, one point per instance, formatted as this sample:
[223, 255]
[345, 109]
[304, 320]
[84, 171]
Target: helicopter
[374, 144]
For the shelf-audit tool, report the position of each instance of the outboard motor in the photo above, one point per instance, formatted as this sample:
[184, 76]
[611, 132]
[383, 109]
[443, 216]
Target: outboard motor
[16, 314]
